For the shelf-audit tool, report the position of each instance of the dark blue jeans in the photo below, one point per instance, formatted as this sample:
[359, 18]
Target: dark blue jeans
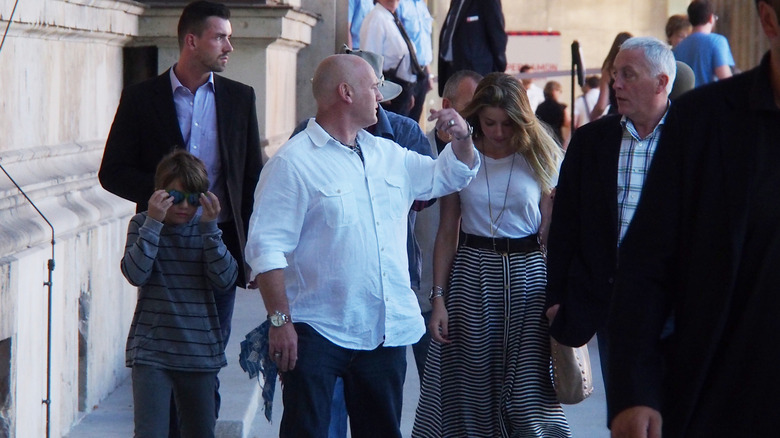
[420, 349]
[373, 388]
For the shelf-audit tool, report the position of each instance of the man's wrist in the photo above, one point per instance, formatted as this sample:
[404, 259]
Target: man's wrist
[278, 319]
[470, 132]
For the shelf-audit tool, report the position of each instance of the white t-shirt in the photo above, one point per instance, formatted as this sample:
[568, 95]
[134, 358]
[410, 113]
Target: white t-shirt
[520, 217]
[581, 112]
[535, 96]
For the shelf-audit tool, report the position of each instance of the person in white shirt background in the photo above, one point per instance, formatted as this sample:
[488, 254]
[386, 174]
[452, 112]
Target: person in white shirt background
[380, 34]
[534, 92]
[417, 20]
[584, 104]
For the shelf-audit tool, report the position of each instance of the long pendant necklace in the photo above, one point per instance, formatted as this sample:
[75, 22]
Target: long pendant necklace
[494, 224]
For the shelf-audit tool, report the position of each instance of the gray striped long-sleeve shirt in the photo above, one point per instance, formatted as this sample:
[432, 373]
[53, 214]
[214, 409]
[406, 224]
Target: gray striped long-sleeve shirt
[177, 269]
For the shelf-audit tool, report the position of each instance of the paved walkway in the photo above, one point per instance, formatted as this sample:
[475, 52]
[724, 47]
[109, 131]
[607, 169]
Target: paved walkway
[241, 415]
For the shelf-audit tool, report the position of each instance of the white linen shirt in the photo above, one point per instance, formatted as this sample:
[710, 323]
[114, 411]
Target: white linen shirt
[380, 34]
[338, 229]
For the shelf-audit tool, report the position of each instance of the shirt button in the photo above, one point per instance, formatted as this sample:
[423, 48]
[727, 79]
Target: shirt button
[197, 124]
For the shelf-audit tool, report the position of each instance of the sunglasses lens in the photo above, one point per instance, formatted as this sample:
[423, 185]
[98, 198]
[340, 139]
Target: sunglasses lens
[177, 196]
[193, 199]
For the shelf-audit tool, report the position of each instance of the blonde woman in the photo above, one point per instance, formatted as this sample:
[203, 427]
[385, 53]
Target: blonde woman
[487, 372]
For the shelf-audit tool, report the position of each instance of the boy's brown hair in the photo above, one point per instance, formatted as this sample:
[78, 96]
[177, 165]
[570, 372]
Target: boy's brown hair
[185, 167]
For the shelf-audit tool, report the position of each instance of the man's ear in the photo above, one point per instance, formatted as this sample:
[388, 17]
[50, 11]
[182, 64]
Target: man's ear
[768, 19]
[345, 92]
[663, 81]
[445, 103]
[189, 40]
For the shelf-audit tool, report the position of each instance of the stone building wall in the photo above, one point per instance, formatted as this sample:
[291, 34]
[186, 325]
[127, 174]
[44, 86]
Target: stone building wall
[60, 77]
[738, 21]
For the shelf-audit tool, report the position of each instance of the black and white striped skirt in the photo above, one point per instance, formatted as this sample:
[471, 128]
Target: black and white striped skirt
[493, 380]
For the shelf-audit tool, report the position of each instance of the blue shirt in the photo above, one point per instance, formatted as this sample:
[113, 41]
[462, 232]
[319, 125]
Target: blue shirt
[704, 52]
[418, 23]
[357, 11]
[197, 115]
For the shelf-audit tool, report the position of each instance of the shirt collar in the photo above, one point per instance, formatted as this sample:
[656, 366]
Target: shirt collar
[176, 83]
[629, 125]
[320, 136]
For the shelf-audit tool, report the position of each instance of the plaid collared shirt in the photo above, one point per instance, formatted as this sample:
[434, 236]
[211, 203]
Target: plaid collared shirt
[633, 162]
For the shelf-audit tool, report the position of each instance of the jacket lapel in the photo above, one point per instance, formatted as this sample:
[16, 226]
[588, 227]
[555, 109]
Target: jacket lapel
[166, 109]
[607, 167]
[224, 112]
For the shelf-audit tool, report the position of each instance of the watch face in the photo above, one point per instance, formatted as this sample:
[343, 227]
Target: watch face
[278, 319]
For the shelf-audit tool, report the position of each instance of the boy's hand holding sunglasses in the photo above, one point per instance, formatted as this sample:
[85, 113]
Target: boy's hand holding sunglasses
[211, 208]
[159, 204]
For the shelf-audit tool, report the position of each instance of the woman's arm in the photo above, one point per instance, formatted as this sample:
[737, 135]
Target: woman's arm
[601, 104]
[546, 208]
[566, 128]
[443, 254]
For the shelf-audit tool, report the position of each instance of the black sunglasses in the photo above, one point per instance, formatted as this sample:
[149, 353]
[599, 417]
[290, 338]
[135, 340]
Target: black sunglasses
[179, 197]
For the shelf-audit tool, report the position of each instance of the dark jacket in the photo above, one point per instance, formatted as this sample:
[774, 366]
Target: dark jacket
[582, 244]
[478, 41]
[704, 244]
[145, 129]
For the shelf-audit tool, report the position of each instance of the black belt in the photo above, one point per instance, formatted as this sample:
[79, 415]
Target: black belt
[502, 244]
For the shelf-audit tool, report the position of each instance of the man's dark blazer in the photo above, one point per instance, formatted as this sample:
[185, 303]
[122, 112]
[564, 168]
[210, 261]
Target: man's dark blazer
[145, 129]
[582, 243]
[685, 250]
[478, 40]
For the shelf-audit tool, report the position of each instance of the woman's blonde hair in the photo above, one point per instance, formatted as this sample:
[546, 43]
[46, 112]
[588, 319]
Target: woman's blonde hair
[529, 137]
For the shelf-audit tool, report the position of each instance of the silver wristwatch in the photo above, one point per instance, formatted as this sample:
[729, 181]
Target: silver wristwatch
[278, 319]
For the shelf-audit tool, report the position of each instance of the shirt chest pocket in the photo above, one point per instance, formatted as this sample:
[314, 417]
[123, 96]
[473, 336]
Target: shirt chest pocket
[393, 198]
[338, 205]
